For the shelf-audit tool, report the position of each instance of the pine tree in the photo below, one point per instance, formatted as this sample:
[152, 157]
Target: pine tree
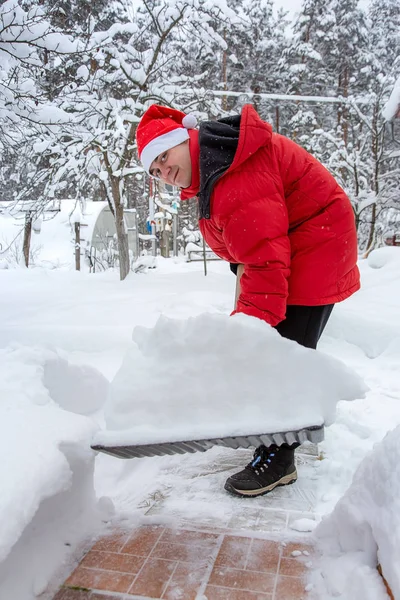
[379, 77]
[257, 50]
[308, 73]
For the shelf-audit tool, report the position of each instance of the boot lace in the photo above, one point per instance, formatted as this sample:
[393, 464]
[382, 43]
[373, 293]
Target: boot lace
[262, 458]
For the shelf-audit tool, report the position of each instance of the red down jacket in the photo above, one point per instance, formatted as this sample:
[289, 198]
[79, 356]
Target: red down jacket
[279, 212]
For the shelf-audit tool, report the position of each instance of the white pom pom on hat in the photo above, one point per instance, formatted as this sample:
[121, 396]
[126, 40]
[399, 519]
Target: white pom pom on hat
[189, 121]
[160, 129]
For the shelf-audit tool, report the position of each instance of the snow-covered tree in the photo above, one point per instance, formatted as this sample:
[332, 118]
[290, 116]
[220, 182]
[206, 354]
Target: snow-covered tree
[24, 37]
[307, 69]
[74, 86]
[380, 74]
[307, 72]
[108, 94]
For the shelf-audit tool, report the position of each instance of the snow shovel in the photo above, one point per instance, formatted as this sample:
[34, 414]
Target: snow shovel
[309, 434]
[313, 434]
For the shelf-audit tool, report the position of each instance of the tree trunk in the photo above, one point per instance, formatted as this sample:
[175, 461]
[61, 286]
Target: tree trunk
[357, 220]
[123, 246]
[371, 237]
[224, 78]
[375, 180]
[165, 244]
[345, 114]
[117, 209]
[27, 237]
[277, 119]
[122, 234]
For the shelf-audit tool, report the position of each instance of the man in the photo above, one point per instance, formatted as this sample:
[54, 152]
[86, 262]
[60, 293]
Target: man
[267, 205]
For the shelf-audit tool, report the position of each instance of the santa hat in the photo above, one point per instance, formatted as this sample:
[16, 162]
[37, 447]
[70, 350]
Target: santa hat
[160, 129]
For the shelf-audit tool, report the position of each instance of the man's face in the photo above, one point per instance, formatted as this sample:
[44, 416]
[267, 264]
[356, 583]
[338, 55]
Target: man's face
[174, 166]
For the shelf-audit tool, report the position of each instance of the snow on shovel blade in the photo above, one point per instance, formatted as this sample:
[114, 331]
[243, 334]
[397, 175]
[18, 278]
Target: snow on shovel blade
[313, 434]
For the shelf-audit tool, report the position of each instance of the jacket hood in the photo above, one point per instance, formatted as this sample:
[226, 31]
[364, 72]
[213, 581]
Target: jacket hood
[225, 145]
[254, 134]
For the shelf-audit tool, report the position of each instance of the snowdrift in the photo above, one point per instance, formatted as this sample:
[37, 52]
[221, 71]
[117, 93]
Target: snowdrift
[47, 504]
[364, 528]
[358, 320]
[214, 376]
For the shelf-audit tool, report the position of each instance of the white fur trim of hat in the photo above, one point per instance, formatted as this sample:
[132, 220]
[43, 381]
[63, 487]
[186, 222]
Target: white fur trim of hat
[161, 144]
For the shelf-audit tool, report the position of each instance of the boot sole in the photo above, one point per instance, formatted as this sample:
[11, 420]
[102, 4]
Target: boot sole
[287, 480]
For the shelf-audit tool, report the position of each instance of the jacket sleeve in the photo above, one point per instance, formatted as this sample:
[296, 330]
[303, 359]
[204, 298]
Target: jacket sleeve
[257, 236]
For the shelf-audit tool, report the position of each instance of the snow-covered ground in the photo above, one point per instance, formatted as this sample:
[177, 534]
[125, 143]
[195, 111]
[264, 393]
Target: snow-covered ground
[63, 337]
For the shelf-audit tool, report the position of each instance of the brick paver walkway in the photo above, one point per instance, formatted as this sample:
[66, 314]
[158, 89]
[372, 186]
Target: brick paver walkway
[182, 564]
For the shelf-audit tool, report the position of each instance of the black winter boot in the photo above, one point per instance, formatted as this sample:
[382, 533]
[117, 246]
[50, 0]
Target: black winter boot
[269, 468]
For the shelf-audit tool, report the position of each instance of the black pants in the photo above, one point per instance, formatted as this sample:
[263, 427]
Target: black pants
[305, 324]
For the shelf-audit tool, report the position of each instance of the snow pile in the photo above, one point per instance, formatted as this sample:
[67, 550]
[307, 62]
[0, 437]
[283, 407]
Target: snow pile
[364, 527]
[382, 257]
[47, 502]
[77, 313]
[370, 318]
[214, 375]
[77, 388]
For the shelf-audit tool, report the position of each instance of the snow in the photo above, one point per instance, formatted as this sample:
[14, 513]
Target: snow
[54, 246]
[83, 72]
[64, 336]
[304, 525]
[46, 455]
[292, 97]
[392, 105]
[198, 365]
[364, 523]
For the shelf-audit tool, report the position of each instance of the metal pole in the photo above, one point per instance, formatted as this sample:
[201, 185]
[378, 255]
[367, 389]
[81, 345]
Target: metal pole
[174, 234]
[27, 236]
[77, 246]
